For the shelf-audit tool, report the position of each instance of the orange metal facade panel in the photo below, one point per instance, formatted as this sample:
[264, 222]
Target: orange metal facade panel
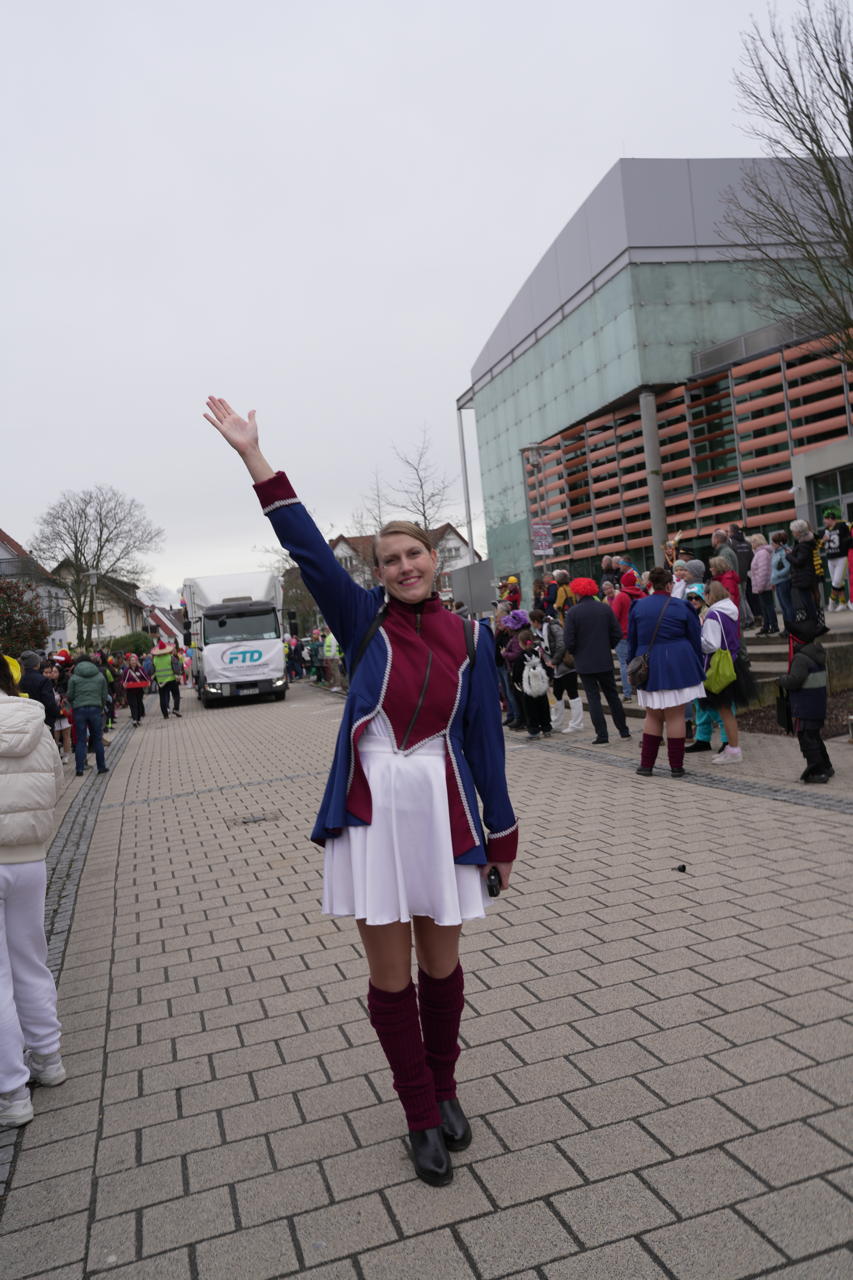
[838, 426]
[747, 425]
[768, 477]
[767, 499]
[745, 447]
[809, 410]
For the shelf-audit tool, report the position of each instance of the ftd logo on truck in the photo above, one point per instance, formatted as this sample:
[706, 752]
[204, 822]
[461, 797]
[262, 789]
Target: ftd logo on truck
[244, 656]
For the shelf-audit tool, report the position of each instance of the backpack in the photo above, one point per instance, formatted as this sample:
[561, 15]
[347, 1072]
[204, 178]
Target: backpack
[534, 680]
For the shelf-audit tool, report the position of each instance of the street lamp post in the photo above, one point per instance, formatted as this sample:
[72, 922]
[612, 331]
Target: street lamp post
[93, 582]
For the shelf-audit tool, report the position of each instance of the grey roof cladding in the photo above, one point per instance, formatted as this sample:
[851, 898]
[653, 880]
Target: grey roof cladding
[641, 211]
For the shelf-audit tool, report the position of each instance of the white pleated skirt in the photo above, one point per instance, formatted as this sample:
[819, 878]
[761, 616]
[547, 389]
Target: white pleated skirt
[662, 698]
[401, 865]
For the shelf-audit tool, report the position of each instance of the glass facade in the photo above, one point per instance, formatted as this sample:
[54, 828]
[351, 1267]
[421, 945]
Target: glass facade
[640, 328]
[572, 391]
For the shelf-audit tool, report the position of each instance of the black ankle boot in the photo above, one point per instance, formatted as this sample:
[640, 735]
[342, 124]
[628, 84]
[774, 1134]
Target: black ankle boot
[429, 1156]
[454, 1125]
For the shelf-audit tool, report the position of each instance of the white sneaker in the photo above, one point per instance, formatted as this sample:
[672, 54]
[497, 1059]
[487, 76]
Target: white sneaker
[728, 755]
[45, 1068]
[850, 605]
[16, 1107]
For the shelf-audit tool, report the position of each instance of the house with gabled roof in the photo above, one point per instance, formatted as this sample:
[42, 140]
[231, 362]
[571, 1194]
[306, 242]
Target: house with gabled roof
[17, 563]
[355, 553]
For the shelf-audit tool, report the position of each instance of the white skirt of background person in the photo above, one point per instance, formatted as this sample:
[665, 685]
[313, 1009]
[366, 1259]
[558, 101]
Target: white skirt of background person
[660, 699]
[401, 865]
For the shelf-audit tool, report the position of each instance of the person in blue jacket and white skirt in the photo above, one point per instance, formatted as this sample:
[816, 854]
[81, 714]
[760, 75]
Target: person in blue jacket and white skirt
[406, 850]
[669, 631]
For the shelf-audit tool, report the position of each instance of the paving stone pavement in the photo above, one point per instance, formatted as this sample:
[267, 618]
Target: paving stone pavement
[659, 1064]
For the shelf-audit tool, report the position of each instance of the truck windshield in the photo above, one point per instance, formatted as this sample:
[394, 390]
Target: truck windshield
[249, 626]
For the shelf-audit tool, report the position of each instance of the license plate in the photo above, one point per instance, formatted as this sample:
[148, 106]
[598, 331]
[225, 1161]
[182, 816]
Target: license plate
[247, 689]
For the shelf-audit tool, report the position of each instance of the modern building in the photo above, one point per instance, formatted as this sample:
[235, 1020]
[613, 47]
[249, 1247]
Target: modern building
[634, 387]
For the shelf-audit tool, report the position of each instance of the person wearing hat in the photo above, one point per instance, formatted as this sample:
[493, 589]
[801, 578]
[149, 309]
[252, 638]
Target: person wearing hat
[513, 591]
[167, 680]
[679, 579]
[705, 717]
[835, 544]
[805, 684]
[37, 686]
[30, 785]
[591, 633]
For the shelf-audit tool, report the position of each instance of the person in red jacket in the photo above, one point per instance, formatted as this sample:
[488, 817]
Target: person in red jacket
[721, 571]
[629, 592]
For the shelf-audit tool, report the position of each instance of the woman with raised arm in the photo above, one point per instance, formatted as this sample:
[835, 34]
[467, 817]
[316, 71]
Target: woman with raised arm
[406, 851]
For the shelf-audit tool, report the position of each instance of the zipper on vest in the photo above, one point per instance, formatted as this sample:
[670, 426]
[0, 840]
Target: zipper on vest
[408, 732]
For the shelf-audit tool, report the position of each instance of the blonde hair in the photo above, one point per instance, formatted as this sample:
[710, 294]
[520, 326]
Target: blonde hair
[718, 564]
[715, 591]
[406, 527]
[758, 540]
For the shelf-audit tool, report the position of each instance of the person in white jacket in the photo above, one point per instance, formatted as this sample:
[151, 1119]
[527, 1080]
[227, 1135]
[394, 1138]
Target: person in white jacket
[30, 782]
[721, 630]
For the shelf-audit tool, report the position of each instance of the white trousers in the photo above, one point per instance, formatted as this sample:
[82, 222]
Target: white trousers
[837, 571]
[27, 990]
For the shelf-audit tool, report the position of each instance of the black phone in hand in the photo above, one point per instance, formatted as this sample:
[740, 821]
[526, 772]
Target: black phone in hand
[493, 882]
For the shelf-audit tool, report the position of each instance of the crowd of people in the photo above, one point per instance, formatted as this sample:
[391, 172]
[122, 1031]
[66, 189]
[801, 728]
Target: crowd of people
[681, 628]
[81, 693]
[421, 738]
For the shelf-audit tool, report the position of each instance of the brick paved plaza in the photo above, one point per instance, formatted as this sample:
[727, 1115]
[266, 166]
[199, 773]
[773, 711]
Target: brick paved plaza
[659, 1063]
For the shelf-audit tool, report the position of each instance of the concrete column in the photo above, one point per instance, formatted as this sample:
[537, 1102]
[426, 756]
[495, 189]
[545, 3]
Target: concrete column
[469, 524]
[654, 479]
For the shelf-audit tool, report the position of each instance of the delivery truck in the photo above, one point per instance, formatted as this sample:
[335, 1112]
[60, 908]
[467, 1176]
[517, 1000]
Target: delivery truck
[233, 625]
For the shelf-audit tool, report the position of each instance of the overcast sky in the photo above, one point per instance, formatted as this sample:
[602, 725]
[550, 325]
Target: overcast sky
[318, 211]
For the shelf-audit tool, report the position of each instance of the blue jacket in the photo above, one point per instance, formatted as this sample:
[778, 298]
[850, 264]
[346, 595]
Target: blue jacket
[463, 707]
[675, 661]
[780, 566]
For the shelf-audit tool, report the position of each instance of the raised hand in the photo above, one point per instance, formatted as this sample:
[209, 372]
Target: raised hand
[242, 435]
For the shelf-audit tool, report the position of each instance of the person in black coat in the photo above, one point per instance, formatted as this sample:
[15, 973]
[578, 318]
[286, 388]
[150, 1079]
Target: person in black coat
[591, 633]
[37, 686]
[806, 687]
[806, 572]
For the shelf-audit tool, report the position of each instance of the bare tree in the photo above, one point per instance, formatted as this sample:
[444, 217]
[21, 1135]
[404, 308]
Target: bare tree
[797, 220]
[423, 490]
[98, 531]
[369, 518]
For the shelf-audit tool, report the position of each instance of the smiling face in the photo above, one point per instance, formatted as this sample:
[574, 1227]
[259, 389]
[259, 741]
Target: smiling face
[406, 568]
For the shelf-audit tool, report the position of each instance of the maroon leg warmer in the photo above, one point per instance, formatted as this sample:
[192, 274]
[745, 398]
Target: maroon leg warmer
[441, 1002]
[649, 750]
[394, 1018]
[675, 751]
